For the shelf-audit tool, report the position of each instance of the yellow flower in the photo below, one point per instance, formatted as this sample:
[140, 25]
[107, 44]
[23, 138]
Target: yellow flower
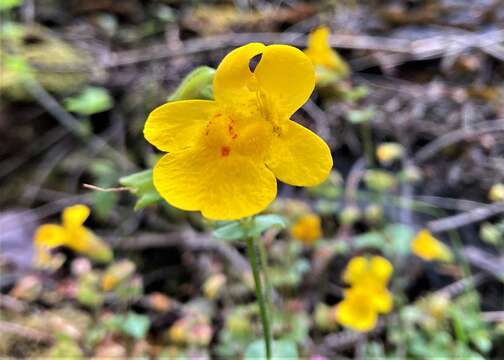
[73, 235]
[224, 156]
[373, 273]
[323, 56]
[368, 295]
[307, 229]
[429, 248]
[357, 311]
[496, 192]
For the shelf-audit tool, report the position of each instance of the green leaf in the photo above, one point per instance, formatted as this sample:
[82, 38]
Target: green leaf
[196, 85]
[9, 4]
[19, 66]
[356, 94]
[236, 230]
[281, 349]
[230, 231]
[142, 186]
[105, 175]
[360, 116]
[136, 325]
[380, 180]
[262, 223]
[400, 237]
[371, 239]
[91, 100]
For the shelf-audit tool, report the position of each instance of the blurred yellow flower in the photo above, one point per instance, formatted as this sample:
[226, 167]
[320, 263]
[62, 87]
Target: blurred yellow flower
[73, 235]
[328, 63]
[368, 295]
[225, 155]
[307, 229]
[389, 152]
[371, 273]
[357, 311]
[427, 247]
[496, 192]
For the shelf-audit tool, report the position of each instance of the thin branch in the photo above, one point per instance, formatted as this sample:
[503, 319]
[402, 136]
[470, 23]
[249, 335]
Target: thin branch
[485, 261]
[442, 142]
[69, 122]
[434, 46]
[466, 218]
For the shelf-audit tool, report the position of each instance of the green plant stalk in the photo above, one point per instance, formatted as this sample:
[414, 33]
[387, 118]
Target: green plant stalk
[251, 252]
[267, 282]
[367, 141]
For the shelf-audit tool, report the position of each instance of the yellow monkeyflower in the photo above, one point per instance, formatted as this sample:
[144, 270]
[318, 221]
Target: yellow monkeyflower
[328, 63]
[224, 156]
[368, 295]
[358, 310]
[427, 247]
[370, 273]
[73, 235]
[307, 229]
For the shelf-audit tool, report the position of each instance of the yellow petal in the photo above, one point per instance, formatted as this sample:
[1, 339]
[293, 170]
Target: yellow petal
[286, 76]
[226, 186]
[74, 216]
[176, 125]
[429, 248]
[233, 78]
[50, 236]
[321, 54]
[357, 311]
[307, 229]
[318, 39]
[85, 242]
[356, 270]
[299, 157]
[381, 269]
[383, 301]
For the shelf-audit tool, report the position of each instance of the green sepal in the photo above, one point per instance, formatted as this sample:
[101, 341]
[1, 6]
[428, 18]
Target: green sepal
[142, 186]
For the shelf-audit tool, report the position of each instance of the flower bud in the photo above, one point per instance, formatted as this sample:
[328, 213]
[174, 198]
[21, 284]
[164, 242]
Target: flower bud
[213, 286]
[373, 214]
[350, 215]
[389, 152]
[379, 180]
[496, 192]
[490, 233]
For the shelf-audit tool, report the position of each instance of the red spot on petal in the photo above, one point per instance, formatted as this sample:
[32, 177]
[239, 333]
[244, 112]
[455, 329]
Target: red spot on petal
[225, 150]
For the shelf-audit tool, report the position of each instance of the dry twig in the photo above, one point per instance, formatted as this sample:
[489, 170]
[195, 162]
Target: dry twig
[466, 218]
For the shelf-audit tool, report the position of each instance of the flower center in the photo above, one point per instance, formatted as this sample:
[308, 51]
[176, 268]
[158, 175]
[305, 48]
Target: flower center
[227, 136]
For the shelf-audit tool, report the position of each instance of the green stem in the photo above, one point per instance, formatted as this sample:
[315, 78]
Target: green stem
[267, 282]
[367, 140]
[251, 252]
